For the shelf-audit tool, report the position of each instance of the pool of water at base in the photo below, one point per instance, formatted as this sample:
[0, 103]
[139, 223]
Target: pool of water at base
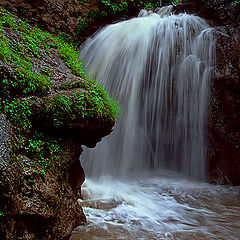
[160, 205]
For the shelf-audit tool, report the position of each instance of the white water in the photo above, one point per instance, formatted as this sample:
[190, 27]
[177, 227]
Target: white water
[159, 205]
[159, 69]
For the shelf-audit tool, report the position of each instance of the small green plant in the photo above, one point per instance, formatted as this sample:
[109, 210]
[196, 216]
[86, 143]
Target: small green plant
[59, 110]
[94, 102]
[24, 91]
[19, 113]
[82, 25]
[42, 149]
[175, 2]
[16, 53]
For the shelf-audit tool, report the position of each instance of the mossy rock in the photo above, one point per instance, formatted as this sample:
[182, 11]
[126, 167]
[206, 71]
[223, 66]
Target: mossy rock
[48, 109]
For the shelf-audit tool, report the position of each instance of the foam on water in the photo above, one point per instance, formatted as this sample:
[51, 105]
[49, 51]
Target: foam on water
[159, 68]
[160, 205]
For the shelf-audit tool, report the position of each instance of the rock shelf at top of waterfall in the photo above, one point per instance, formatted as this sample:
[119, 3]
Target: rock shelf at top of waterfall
[159, 68]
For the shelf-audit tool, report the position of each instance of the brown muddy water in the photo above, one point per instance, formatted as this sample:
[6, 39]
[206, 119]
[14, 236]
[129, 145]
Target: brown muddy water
[159, 206]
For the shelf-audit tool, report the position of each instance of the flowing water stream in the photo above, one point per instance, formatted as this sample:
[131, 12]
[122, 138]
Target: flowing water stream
[159, 67]
[159, 205]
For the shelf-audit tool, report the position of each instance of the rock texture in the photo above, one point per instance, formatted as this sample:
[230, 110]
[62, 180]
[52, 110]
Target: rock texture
[224, 119]
[39, 202]
[42, 205]
[59, 16]
[6, 173]
[219, 12]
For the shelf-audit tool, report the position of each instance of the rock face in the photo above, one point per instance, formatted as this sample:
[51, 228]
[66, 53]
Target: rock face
[38, 205]
[219, 12]
[224, 119]
[52, 15]
[39, 185]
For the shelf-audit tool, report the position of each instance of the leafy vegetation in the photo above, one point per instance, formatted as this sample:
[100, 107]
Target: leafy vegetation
[115, 9]
[25, 86]
[27, 44]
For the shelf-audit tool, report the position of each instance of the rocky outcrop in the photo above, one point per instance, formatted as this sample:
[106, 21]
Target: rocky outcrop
[40, 203]
[224, 121]
[59, 16]
[219, 12]
[47, 111]
[37, 203]
[224, 118]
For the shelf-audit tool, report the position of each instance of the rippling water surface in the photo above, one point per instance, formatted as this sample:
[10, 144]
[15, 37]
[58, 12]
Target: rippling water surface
[159, 206]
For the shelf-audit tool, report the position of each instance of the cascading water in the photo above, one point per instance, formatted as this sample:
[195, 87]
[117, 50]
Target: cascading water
[158, 66]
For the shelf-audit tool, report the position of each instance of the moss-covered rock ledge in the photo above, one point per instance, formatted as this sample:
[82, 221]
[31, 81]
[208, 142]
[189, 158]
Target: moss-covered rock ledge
[48, 109]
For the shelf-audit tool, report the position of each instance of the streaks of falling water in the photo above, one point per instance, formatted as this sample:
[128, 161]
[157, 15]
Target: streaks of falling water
[158, 66]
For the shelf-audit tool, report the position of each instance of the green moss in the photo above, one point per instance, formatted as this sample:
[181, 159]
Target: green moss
[94, 102]
[59, 110]
[20, 46]
[31, 42]
[16, 51]
[19, 113]
[83, 106]
[42, 149]
[69, 54]
[28, 43]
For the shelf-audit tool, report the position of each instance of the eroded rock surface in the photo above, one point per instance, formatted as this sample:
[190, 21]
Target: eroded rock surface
[38, 194]
[42, 205]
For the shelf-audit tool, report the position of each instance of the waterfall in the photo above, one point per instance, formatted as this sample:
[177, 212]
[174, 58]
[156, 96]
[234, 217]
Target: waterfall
[158, 66]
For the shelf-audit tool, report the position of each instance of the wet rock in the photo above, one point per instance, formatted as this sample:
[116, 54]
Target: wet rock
[7, 178]
[224, 118]
[219, 12]
[39, 201]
